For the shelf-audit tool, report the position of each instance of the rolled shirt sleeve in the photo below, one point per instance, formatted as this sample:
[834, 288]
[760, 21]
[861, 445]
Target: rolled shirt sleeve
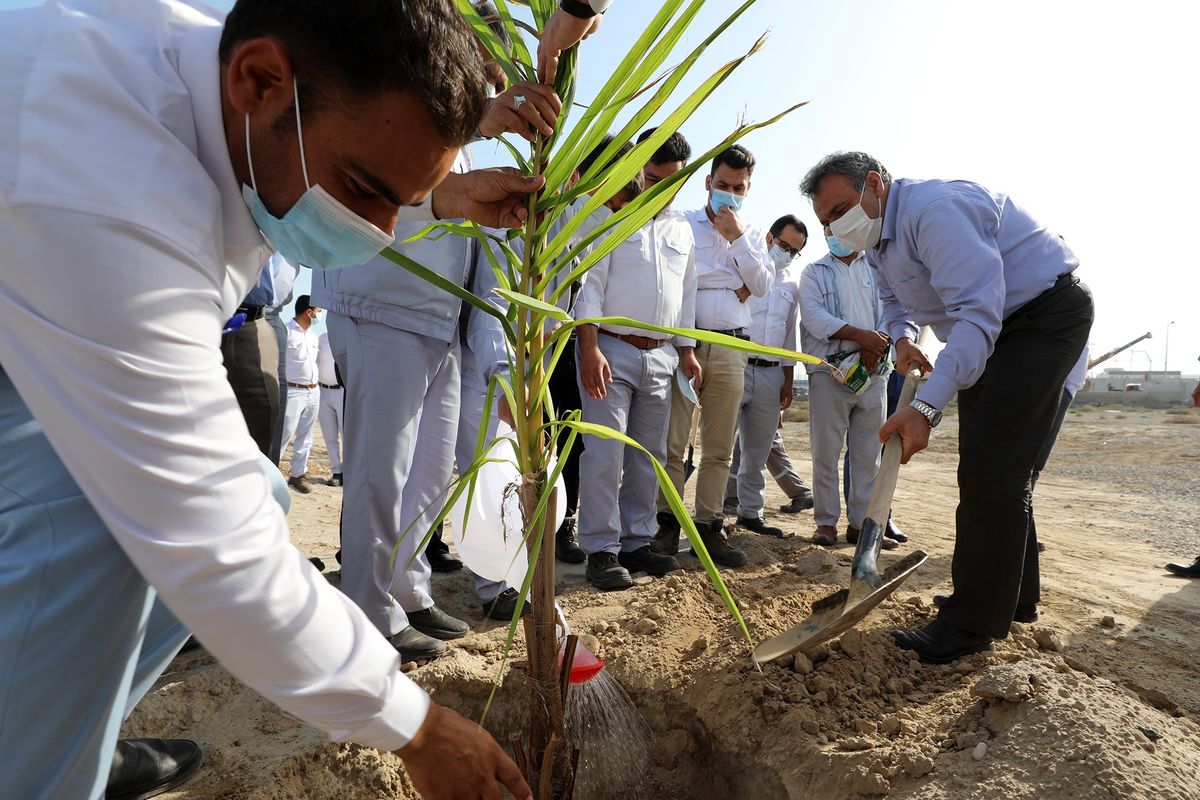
[956, 240]
[124, 374]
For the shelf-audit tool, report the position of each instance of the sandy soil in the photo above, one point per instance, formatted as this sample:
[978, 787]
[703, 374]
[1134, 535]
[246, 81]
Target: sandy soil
[1076, 705]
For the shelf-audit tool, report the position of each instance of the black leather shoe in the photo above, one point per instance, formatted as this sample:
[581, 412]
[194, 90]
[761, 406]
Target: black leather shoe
[666, 540]
[884, 543]
[566, 548]
[503, 606]
[316, 562]
[1023, 613]
[644, 559]
[1191, 570]
[434, 622]
[802, 503]
[605, 572]
[334, 480]
[894, 533]
[757, 525]
[416, 646]
[143, 768]
[713, 535]
[941, 643]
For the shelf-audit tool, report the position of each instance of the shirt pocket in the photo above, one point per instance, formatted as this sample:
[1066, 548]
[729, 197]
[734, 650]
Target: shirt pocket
[674, 255]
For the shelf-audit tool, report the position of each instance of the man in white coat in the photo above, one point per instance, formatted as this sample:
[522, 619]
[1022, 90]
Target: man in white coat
[151, 158]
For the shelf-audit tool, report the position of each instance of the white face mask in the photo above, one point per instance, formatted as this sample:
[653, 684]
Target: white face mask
[855, 229]
[778, 256]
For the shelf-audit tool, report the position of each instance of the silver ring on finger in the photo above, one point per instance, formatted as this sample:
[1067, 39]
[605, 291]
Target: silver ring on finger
[518, 101]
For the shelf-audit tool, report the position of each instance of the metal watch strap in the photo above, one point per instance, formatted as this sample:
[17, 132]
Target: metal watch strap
[931, 414]
[577, 9]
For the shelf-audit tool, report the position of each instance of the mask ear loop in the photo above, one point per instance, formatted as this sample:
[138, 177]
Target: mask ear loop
[249, 160]
[299, 132]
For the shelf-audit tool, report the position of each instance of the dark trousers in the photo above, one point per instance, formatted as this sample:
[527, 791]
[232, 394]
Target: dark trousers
[564, 391]
[281, 374]
[1063, 404]
[251, 358]
[1004, 422]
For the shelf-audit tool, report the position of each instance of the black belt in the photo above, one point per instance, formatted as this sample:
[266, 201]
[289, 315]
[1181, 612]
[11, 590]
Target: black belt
[761, 362]
[331, 386]
[1063, 281]
[251, 312]
[737, 333]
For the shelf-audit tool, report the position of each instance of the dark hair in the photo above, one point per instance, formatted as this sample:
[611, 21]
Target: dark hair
[365, 47]
[788, 219]
[675, 148]
[735, 157]
[855, 165]
[303, 303]
[635, 183]
[492, 17]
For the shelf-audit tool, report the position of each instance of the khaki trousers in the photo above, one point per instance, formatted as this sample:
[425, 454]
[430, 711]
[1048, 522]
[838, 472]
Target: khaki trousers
[720, 397]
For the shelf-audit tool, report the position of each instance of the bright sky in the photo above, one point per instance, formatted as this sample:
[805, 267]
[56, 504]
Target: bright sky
[1081, 111]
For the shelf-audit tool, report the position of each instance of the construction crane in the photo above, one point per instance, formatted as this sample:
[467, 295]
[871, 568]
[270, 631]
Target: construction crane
[1101, 359]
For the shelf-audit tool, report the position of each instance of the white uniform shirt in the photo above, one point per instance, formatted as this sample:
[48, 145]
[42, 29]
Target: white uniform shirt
[722, 267]
[326, 371]
[1078, 375]
[774, 319]
[858, 296]
[126, 246]
[650, 277]
[302, 347]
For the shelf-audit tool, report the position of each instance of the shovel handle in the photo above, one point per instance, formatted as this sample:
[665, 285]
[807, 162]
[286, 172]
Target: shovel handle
[889, 464]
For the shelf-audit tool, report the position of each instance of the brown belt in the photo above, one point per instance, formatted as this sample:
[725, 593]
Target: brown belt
[640, 342]
[302, 385]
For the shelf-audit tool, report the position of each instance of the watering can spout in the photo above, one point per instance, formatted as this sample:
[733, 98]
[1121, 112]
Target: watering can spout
[586, 665]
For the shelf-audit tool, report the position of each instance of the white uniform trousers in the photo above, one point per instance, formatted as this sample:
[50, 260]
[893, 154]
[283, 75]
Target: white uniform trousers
[401, 417]
[758, 420]
[330, 417]
[298, 420]
[834, 412]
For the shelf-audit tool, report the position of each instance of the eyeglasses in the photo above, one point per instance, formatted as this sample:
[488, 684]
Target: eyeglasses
[787, 248]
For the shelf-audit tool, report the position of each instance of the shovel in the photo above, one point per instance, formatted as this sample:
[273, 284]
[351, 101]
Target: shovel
[839, 612]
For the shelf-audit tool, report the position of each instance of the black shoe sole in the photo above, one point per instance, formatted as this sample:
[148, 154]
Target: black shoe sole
[182, 775]
[611, 584]
[657, 572]
[570, 558]
[926, 658]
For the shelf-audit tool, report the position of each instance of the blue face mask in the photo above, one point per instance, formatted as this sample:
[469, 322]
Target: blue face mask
[720, 199]
[837, 248]
[318, 231]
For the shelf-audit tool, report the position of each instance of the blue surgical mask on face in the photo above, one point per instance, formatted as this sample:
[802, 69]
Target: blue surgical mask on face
[720, 199]
[318, 231]
[837, 248]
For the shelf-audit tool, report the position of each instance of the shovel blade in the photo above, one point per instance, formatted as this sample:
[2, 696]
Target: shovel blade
[837, 613]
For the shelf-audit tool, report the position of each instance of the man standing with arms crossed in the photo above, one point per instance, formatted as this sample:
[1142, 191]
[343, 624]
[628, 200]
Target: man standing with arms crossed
[730, 256]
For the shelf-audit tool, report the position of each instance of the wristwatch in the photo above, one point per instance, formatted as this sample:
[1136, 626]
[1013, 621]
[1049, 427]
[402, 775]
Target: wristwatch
[931, 414]
[578, 9]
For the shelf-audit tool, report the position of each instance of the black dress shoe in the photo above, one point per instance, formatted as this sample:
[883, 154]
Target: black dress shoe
[757, 525]
[416, 646]
[334, 480]
[566, 548]
[442, 561]
[605, 572]
[644, 559]
[316, 562]
[503, 606]
[802, 503]
[666, 540]
[434, 622]
[1025, 612]
[1191, 570]
[941, 643]
[143, 768]
[894, 533]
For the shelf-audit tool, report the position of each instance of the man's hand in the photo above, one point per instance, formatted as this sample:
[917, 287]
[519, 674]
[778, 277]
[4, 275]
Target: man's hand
[913, 429]
[785, 396]
[562, 31]
[729, 224]
[537, 114]
[873, 344]
[743, 293]
[690, 366]
[494, 197]
[908, 356]
[453, 759]
[594, 371]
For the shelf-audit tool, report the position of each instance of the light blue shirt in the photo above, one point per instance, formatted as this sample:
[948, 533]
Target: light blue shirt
[960, 258]
[274, 283]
